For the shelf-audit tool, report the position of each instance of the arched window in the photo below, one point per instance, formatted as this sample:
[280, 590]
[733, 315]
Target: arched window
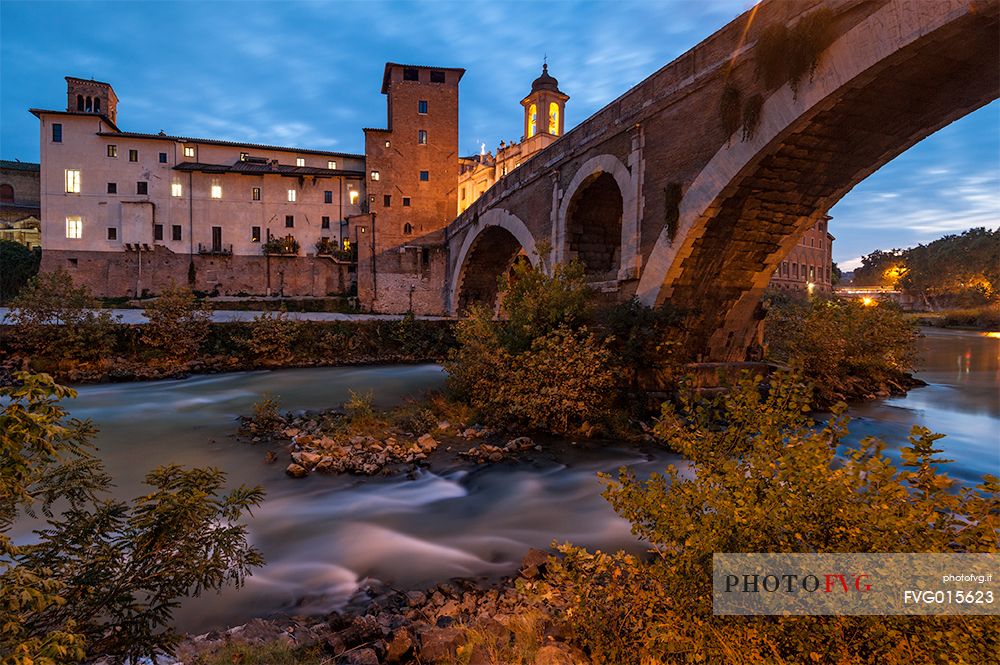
[6, 193]
[407, 229]
[553, 119]
[79, 102]
[532, 121]
[90, 104]
[97, 104]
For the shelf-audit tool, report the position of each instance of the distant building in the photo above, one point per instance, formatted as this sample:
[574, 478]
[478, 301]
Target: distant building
[129, 212]
[20, 208]
[808, 265]
[544, 122]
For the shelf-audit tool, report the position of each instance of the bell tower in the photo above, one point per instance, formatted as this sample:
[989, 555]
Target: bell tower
[89, 96]
[543, 111]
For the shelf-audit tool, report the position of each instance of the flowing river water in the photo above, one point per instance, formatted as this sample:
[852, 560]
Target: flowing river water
[323, 536]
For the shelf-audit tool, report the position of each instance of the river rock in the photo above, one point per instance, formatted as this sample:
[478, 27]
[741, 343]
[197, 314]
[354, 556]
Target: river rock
[296, 471]
[364, 656]
[399, 647]
[520, 443]
[427, 442]
[440, 644]
[416, 598]
[291, 432]
[558, 653]
[306, 459]
[444, 425]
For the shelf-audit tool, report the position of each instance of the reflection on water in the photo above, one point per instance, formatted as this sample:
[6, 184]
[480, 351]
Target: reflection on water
[324, 535]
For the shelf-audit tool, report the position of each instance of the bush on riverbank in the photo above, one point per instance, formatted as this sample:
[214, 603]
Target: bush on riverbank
[177, 326]
[787, 491]
[846, 349]
[104, 577]
[18, 265]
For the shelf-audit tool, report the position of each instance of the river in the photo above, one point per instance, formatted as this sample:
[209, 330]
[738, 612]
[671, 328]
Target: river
[323, 536]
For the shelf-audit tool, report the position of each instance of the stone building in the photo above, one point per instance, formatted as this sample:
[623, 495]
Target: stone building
[20, 210]
[128, 213]
[809, 263]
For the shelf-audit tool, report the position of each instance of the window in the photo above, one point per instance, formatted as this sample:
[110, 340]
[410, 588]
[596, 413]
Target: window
[175, 232]
[437, 76]
[812, 273]
[216, 189]
[72, 262]
[327, 197]
[422, 136]
[254, 234]
[176, 189]
[332, 165]
[532, 120]
[74, 227]
[112, 151]
[387, 144]
[411, 74]
[386, 200]
[6, 193]
[324, 222]
[406, 201]
[289, 221]
[292, 195]
[72, 182]
[163, 158]
[157, 231]
[112, 233]
[354, 197]
[133, 155]
[407, 229]
[142, 187]
[112, 188]
[553, 119]
[375, 175]
[795, 270]
[255, 193]
[57, 132]
[422, 107]
[425, 176]
[300, 161]
[189, 151]
[243, 156]
[217, 239]
[461, 194]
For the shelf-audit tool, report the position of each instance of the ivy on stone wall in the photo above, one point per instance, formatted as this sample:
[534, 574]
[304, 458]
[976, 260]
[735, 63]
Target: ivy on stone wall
[729, 109]
[789, 54]
[671, 207]
[751, 116]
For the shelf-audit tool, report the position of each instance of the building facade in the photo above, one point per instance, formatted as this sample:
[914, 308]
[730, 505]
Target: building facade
[20, 207]
[129, 213]
[808, 266]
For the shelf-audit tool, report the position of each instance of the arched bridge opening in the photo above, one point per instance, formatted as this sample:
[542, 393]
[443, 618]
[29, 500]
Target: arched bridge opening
[594, 226]
[490, 258]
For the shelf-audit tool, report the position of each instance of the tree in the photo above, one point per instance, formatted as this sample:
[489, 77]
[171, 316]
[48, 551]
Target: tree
[18, 264]
[177, 324]
[54, 318]
[763, 478]
[105, 576]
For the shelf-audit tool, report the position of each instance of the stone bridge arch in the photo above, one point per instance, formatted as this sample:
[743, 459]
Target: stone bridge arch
[488, 250]
[893, 79]
[597, 219]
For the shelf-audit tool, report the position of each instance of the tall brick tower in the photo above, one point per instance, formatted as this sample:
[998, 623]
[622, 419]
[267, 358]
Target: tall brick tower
[89, 96]
[412, 163]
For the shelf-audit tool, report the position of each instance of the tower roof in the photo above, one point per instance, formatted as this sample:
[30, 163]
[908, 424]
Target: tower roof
[545, 81]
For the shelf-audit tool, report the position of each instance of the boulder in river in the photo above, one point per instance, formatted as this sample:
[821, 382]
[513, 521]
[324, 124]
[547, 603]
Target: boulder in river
[296, 471]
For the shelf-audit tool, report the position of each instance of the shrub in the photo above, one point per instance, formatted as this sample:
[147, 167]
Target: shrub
[787, 491]
[537, 304]
[18, 265]
[55, 319]
[266, 418]
[177, 324]
[104, 578]
[848, 350]
[273, 337]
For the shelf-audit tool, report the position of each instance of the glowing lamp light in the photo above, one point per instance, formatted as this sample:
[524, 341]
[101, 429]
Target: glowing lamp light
[994, 335]
[868, 301]
[810, 287]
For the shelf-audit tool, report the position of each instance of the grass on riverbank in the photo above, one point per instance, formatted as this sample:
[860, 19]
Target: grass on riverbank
[274, 653]
[984, 317]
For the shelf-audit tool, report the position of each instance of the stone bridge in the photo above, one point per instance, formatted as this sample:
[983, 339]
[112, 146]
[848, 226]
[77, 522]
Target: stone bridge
[692, 186]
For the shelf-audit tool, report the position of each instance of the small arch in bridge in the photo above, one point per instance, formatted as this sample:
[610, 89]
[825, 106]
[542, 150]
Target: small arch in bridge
[594, 226]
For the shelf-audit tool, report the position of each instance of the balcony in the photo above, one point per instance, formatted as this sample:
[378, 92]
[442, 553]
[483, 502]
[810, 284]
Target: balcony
[216, 248]
[287, 246]
[330, 247]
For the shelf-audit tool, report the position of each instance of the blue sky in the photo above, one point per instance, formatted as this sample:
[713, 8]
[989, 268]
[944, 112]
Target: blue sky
[308, 74]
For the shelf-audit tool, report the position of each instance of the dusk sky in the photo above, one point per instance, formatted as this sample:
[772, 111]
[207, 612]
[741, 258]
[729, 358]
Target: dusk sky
[308, 74]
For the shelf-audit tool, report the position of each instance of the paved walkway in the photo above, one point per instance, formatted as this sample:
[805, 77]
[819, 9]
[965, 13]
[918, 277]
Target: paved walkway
[137, 316]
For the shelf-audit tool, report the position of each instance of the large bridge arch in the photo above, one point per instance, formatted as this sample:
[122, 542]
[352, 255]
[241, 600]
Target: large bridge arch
[896, 77]
[592, 184]
[487, 251]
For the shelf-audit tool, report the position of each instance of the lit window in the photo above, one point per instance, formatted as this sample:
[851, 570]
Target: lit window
[532, 120]
[425, 176]
[243, 156]
[216, 190]
[57, 132]
[461, 194]
[332, 165]
[176, 189]
[387, 144]
[374, 175]
[292, 194]
[553, 119]
[133, 155]
[254, 234]
[255, 193]
[355, 195]
[300, 161]
[422, 137]
[74, 227]
[189, 151]
[112, 151]
[422, 106]
[72, 182]
[347, 245]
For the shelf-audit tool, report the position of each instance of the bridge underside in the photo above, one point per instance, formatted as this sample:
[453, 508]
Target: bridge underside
[489, 258]
[804, 172]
